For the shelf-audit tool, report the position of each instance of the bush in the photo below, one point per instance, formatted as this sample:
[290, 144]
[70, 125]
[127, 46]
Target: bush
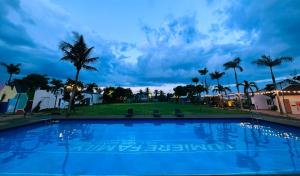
[274, 108]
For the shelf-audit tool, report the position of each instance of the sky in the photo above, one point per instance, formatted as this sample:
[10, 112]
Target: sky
[151, 43]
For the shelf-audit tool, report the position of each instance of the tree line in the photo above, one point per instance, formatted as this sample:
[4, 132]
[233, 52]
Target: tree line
[235, 65]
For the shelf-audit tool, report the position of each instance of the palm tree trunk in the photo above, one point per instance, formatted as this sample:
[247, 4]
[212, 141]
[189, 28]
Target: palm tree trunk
[9, 78]
[18, 98]
[55, 100]
[205, 83]
[277, 95]
[220, 97]
[238, 89]
[73, 92]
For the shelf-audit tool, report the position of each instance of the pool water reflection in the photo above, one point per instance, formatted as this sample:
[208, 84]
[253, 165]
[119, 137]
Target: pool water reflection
[150, 147]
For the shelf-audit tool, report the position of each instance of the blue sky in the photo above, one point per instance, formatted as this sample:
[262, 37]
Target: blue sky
[159, 43]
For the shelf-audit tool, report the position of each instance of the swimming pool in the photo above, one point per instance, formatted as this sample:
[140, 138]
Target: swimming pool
[140, 147]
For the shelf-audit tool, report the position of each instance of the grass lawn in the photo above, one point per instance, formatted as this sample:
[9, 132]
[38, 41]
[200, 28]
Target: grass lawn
[147, 109]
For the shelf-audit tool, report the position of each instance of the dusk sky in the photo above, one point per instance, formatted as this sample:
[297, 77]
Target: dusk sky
[151, 42]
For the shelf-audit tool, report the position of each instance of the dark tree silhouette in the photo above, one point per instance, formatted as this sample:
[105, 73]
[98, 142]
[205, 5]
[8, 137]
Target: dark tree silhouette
[11, 69]
[217, 76]
[78, 53]
[56, 85]
[267, 61]
[203, 72]
[235, 64]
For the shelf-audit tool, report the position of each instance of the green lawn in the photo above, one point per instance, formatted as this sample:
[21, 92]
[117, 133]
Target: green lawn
[147, 109]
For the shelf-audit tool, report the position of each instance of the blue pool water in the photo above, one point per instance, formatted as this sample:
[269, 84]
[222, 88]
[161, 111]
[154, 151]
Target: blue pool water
[142, 147]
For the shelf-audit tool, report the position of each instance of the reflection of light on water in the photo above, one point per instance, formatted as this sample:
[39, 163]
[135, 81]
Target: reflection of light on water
[269, 132]
[61, 135]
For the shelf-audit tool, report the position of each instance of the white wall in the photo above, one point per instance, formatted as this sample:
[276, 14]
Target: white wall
[47, 100]
[97, 98]
[293, 100]
[260, 102]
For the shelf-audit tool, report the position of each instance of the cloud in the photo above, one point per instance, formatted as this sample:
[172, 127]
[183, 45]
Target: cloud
[171, 52]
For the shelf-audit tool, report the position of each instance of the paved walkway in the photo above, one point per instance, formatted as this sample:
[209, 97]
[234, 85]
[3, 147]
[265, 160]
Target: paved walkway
[275, 113]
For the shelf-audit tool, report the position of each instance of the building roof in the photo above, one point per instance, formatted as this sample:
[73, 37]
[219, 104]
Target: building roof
[292, 88]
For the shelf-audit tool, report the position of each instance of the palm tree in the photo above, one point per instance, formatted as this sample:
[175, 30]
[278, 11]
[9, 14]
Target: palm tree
[90, 88]
[216, 76]
[78, 53]
[195, 80]
[155, 93]
[235, 64]
[11, 69]
[269, 62]
[221, 89]
[248, 87]
[56, 86]
[203, 72]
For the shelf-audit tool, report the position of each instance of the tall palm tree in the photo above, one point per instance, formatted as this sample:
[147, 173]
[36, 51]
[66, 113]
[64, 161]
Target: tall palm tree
[267, 61]
[217, 76]
[235, 64]
[78, 53]
[203, 72]
[11, 69]
[56, 85]
[248, 87]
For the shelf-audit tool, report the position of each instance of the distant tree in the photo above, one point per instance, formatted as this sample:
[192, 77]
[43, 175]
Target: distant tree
[116, 95]
[179, 91]
[155, 94]
[32, 82]
[195, 80]
[203, 72]
[222, 89]
[217, 76]
[199, 89]
[249, 87]
[148, 93]
[79, 55]
[191, 91]
[267, 61]
[235, 64]
[56, 85]
[108, 95]
[162, 96]
[11, 69]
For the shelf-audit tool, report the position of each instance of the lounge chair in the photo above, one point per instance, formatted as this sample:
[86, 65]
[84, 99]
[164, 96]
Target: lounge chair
[156, 113]
[129, 113]
[178, 113]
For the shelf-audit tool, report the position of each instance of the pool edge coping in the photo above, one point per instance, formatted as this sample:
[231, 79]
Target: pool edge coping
[268, 118]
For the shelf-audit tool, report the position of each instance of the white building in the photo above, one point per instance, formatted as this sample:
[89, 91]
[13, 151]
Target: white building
[262, 102]
[46, 100]
[290, 99]
[288, 95]
[94, 98]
